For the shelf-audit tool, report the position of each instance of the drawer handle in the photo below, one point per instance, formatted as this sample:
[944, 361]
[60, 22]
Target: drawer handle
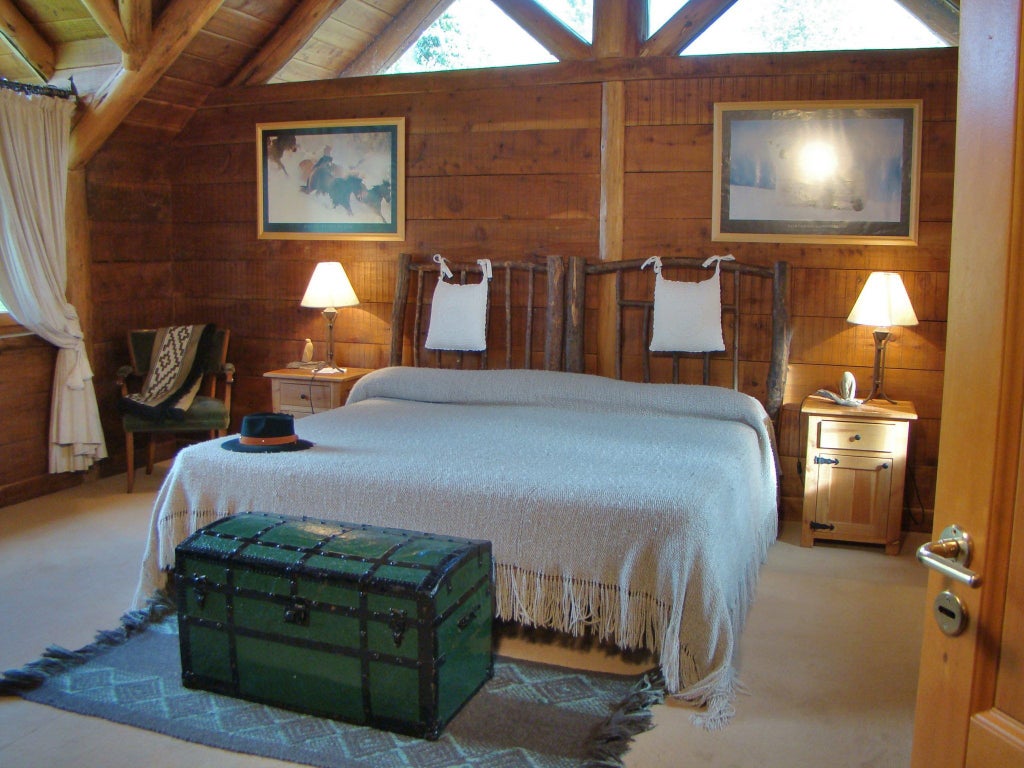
[303, 397]
[823, 460]
[856, 437]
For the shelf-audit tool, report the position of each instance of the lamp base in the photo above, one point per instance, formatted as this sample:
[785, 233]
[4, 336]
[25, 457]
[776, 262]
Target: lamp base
[882, 337]
[330, 369]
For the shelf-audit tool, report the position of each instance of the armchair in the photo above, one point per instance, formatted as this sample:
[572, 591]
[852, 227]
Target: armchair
[206, 413]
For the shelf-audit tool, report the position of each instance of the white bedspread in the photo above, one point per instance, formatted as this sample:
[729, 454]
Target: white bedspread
[640, 511]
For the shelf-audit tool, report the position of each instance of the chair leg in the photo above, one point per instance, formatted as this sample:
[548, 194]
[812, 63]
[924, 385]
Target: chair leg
[152, 453]
[129, 449]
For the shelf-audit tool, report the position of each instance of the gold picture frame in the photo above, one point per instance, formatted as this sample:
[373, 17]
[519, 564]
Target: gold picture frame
[331, 180]
[817, 172]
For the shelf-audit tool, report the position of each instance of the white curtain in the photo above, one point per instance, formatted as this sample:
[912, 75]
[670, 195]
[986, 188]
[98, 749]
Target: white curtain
[34, 138]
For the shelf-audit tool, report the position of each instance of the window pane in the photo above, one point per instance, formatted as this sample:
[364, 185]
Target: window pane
[660, 11]
[577, 15]
[761, 26]
[471, 33]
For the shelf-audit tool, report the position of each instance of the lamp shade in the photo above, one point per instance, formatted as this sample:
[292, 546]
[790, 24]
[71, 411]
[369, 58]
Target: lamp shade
[883, 302]
[329, 287]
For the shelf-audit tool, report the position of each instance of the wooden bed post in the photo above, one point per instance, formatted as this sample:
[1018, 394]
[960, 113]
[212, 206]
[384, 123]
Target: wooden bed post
[576, 292]
[398, 309]
[782, 335]
[554, 321]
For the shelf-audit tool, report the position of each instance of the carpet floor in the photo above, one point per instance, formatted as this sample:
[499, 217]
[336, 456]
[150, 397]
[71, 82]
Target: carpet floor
[829, 653]
[528, 715]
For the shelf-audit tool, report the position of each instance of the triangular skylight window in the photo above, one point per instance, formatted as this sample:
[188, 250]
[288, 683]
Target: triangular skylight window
[764, 26]
[471, 34]
[577, 15]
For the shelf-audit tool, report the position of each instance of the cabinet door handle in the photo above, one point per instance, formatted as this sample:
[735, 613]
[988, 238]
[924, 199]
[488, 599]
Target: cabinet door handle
[823, 460]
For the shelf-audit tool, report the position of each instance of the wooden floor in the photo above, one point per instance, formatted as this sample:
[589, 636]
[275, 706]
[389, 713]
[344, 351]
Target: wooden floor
[829, 654]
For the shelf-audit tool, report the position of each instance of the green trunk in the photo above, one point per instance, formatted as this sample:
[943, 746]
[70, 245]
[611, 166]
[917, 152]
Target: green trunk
[375, 626]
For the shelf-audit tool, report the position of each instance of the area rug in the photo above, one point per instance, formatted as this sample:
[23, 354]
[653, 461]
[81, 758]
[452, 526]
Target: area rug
[529, 715]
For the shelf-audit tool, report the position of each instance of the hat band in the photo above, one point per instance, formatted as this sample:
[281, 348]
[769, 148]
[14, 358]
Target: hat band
[243, 440]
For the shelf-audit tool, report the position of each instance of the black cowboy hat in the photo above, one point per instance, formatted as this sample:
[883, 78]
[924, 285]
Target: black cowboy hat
[267, 433]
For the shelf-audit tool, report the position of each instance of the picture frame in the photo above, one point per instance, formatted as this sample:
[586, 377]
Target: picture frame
[817, 172]
[331, 180]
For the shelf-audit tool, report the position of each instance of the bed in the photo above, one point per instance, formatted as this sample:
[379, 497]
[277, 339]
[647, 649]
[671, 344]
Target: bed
[646, 528]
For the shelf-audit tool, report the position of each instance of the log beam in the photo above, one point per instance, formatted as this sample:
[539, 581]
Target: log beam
[289, 38]
[688, 23]
[942, 17]
[137, 20]
[178, 25]
[620, 26]
[613, 175]
[560, 41]
[396, 38]
[104, 13]
[26, 41]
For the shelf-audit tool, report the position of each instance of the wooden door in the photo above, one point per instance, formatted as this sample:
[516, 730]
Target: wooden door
[970, 703]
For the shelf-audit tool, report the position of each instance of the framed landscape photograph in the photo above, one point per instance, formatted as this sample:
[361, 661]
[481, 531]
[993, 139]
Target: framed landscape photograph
[817, 172]
[332, 180]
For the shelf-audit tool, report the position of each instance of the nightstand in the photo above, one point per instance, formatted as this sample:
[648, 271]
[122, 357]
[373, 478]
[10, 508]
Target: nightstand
[854, 471]
[302, 392]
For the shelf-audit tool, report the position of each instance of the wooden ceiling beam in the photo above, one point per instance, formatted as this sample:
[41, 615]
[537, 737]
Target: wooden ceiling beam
[180, 22]
[620, 27]
[26, 41]
[289, 38]
[685, 26]
[137, 20]
[396, 38]
[563, 43]
[942, 17]
[104, 13]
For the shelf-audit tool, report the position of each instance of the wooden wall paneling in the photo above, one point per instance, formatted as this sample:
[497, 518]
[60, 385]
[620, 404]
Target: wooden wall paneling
[508, 162]
[666, 196]
[534, 196]
[26, 380]
[679, 147]
[542, 107]
[541, 150]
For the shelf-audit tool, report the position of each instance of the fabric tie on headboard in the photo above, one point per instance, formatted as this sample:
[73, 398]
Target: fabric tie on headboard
[446, 271]
[716, 260]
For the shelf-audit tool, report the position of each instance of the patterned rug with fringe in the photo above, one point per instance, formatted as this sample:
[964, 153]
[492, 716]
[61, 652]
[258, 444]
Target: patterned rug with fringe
[529, 715]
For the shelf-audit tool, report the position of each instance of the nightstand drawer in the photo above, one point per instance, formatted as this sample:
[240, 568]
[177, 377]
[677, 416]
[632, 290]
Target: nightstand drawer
[855, 435]
[305, 395]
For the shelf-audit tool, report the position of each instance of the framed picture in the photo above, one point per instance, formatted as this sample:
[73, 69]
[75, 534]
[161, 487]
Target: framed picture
[332, 180]
[817, 172]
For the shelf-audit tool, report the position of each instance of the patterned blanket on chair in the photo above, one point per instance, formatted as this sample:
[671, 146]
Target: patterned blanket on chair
[175, 373]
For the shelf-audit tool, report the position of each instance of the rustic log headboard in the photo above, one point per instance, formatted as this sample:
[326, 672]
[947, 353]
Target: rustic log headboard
[755, 324]
[532, 294]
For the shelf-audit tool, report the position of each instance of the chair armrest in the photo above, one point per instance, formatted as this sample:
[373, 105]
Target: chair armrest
[122, 378]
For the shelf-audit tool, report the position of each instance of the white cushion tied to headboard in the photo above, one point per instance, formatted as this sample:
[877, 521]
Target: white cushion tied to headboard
[687, 316]
[458, 313]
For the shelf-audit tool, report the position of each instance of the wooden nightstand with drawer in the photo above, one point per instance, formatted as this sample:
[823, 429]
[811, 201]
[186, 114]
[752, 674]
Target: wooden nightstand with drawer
[302, 392]
[854, 471]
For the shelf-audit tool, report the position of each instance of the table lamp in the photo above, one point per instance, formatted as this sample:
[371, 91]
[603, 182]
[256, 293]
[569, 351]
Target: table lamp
[883, 303]
[328, 289]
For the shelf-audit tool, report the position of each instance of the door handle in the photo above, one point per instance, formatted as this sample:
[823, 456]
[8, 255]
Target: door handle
[950, 556]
